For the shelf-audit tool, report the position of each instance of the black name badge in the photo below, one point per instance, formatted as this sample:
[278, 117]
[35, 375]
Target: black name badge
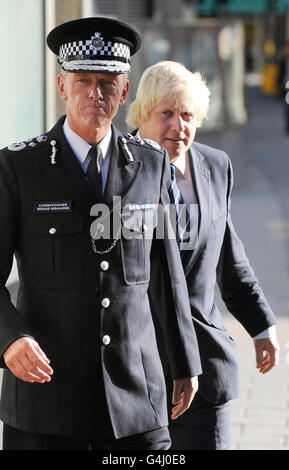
[44, 207]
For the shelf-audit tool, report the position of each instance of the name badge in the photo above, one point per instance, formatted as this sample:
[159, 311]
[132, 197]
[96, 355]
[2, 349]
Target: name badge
[42, 207]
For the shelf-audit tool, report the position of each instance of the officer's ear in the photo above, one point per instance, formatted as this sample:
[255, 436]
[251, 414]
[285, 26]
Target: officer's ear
[124, 91]
[61, 86]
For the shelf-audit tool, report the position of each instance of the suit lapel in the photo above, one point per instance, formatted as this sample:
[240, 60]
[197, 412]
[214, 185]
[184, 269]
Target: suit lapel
[201, 182]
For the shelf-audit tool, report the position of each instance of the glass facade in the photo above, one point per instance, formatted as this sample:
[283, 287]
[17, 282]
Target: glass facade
[22, 83]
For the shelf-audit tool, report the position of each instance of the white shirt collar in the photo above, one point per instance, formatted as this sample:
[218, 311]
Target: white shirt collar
[180, 163]
[80, 147]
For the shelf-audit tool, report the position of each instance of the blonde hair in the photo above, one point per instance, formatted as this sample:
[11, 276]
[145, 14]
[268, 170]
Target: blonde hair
[169, 79]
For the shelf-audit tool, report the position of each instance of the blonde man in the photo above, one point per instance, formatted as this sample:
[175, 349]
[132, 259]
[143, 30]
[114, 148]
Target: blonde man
[171, 102]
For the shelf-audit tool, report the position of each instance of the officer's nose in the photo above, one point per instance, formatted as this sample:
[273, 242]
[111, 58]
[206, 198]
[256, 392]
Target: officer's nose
[95, 92]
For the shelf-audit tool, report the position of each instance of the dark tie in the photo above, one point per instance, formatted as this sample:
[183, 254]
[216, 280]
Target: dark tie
[182, 214]
[93, 172]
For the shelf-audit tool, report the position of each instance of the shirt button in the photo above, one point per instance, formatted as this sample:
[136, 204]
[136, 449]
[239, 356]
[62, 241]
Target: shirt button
[105, 302]
[104, 265]
[52, 231]
[106, 340]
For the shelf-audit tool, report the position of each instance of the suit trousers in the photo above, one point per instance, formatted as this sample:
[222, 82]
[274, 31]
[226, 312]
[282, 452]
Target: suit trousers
[15, 439]
[204, 426]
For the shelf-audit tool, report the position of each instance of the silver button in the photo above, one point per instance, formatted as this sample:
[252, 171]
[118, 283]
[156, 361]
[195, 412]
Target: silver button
[106, 340]
[52, 231]
[105, 302]
[100, 228]
[104, 265]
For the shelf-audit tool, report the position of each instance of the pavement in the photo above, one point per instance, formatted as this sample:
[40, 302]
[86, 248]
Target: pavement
[260, 416]
[259, 152]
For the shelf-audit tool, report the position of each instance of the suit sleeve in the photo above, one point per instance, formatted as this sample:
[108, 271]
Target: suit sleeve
[238, 284]
[12, 325]
[169, 297]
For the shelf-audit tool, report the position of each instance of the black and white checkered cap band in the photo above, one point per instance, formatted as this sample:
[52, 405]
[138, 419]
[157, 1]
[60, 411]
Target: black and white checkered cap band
[81, 55]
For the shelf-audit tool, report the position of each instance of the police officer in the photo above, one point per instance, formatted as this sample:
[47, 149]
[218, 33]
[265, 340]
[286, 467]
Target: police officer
[81, 367]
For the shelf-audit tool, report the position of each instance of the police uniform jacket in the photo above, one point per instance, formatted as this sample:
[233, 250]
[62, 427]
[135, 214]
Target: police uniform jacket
[89, 311]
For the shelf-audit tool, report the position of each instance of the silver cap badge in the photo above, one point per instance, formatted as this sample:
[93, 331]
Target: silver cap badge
[97, 41]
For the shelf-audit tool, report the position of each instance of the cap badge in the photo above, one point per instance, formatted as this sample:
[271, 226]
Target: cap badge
[97, 41]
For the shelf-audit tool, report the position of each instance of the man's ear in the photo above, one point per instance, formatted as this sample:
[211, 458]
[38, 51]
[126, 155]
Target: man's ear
[124, 93]
[61, 87]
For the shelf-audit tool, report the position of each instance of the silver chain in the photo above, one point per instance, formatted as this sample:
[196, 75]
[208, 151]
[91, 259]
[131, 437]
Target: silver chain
[99, 252]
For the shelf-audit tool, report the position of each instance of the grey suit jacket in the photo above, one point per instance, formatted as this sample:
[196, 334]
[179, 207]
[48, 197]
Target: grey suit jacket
[219, 258]
[62, 287]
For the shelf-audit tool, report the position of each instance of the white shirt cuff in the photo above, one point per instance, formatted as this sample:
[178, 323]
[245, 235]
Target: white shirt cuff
[268, 333]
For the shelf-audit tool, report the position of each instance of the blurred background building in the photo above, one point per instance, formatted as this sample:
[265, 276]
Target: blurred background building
[229, 41]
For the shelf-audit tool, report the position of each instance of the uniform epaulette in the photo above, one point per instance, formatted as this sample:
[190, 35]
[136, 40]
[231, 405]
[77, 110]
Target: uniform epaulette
[127, 138]
[28, 144]
[152, 143]
[133, 138]
[137, 139]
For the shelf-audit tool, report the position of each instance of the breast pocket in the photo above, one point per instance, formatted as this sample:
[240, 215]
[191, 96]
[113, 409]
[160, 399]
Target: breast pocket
[137, 234]
[54, 250]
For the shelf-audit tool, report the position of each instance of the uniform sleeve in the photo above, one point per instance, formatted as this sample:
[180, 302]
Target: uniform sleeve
[238, 284]
[169, 297]
[12, 325]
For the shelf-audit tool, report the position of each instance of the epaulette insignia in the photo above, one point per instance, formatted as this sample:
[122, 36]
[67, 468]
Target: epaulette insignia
[27, 143]
[152, 143]
[128, 136]
[135, 138]
[41, 138]
[30, 142]
[17, 146]
[139, 139]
